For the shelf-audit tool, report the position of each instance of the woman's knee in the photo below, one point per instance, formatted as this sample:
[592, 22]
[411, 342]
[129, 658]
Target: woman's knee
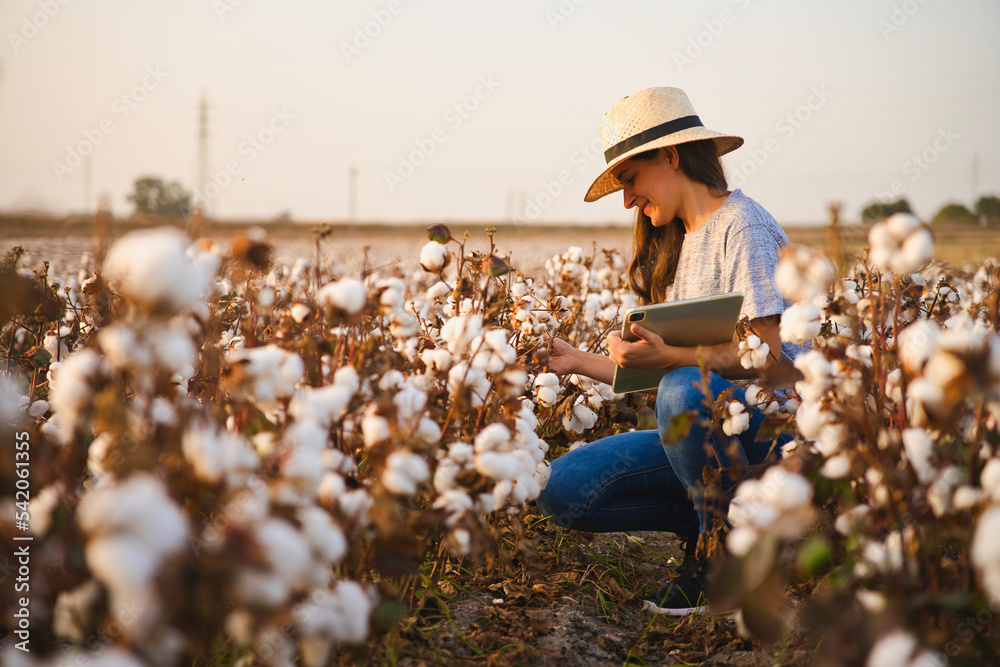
[680, 391]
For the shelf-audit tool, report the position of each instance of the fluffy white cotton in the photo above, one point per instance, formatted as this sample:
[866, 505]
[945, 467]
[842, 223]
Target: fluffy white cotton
[836, 467]
[151, 268]
[217, 455]
[753, 352]
[72, 388]
[404, 472]
[803, 273]
[375, 429]
[434, 256]
[271, 373]
[989, 479]
[325, 405]
[800, 322]
[340, 615]
[138, 507]
[919, 449]
[347, 294]
[900, 244]
[327, 539]
[817, 378]
[459, 332]
[580, 419]
[463, 376]
[737, 419]
[493, 438]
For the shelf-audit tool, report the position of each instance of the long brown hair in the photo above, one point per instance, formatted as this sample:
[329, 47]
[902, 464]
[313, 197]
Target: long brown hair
[656, 250]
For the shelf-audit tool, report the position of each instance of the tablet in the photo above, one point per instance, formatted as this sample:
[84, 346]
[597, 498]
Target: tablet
[709, 320]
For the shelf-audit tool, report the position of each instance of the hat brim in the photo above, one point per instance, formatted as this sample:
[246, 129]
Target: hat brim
[606, 183]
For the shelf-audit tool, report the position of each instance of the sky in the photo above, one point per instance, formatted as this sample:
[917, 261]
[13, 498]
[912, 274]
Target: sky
[448, 110]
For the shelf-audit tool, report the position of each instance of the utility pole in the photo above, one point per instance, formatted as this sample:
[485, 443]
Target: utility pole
[352, 194]
[86, 184]
[202, 151]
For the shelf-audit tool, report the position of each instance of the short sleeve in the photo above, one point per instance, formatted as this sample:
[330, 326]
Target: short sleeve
[751, 258]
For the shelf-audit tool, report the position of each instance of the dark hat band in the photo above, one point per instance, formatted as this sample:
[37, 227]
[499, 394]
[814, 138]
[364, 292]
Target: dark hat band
[651, 134]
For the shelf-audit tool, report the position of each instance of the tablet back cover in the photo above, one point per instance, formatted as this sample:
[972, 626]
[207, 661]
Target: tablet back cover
[689, 323]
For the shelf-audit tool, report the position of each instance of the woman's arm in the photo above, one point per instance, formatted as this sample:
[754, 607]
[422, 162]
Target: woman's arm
[651, 352]
[566, 359]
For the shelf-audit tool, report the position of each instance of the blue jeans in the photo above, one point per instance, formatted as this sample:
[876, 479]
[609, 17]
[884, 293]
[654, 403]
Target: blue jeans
[637, 481]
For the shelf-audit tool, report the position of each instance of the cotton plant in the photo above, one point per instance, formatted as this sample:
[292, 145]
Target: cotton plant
[895, 417]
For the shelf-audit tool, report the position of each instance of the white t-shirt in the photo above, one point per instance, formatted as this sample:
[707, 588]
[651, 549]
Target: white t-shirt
[736, 250]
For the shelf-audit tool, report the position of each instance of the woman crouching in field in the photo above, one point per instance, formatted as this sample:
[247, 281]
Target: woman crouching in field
[692, 238]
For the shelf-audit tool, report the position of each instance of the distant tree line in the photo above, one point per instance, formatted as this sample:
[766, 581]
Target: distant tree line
[986, 210]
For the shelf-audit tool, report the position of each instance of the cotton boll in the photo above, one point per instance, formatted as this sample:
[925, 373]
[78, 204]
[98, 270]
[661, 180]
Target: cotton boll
[853, 521]
[341, 615]
[300, 312]
[404, 472]
[989, 479]
[917, 250]
[434, 257]
[325, 405]
[800, 322]
[72, 388]
[967, 498]
[427, 431]
[802, 273]
[919, 450]
[301, 473]
[375, 429]
[492, 438]
[581, 419]
[455, 503]
[462, 376]
[216, 455]
[41, 507]
[737, 421]
[985, 551]
[437, 359]
[326, 537]
[347, 295]
[740, 540]
[498, 465]
[459, 332]
[893, 650]
[151, 268]
[138, 507]
[836, 467]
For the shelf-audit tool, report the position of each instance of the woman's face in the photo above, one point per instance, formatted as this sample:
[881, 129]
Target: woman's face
[652, 185]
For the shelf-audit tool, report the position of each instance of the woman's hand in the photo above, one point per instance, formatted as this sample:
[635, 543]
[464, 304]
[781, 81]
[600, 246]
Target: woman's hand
[648, 352]
[563, 358]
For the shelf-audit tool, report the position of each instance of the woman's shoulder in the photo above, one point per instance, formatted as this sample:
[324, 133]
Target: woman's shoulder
[743, 214]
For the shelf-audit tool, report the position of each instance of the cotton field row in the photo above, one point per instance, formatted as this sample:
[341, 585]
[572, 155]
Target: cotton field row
[223, 447]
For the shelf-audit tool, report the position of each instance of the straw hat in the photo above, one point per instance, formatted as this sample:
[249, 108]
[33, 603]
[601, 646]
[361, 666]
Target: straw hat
[649, 119]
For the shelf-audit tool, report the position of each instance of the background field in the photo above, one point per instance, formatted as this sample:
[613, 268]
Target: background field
[63, 239]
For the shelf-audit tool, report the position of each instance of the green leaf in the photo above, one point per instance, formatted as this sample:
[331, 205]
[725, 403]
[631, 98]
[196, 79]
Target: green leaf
[814, 555]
